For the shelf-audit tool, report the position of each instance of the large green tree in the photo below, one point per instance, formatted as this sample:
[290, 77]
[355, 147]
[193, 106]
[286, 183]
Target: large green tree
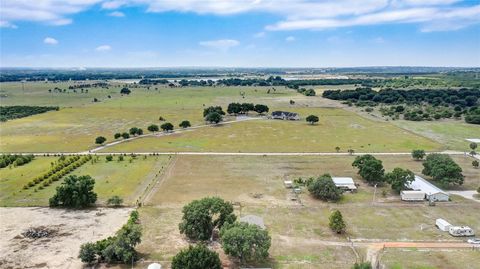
[370, 169]
[443, 169]
[312, 119]
[201, 217]
[153, 128]
[324, 188]
[196, 257]
[212, 109]
[75, 192]
[185, 124]
[234, 108]
[247, 242]
[100, 140]
[214, 117]
[260, 109]
[418, 154]
[167, 126]
[399, 178]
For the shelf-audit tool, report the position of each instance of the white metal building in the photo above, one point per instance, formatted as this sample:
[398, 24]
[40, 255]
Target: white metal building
[412, 195]
[345, 183]
[443, 225]
[432, 192]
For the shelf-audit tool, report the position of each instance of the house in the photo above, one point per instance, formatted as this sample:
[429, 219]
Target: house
[412, 195]
[254, 220]
[344, 183]
[283, 115]
[432, 192]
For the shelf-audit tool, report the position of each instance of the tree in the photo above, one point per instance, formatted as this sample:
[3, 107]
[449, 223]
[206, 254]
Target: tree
[260, 109]
[418, 154]
[443, 169]
[214, 117]
[125, 90]
[133, 131]
[166, 127]
[370, 169]
[109, 158]
[196, 257]
[153, 128]
[234, 108]
[211, 109]
[100, 140]
[88, 253]
[247, 242]
[324, 188]
[117, 135]
[246, 107]
[399, 178]
[74, 192]
[200, 217]
[161, 118]
[337, 149]
[475, 163]
[312, 119]
[125, 135]
[309, 92]
[336, 222]
[473, 146]
[362, 265]
[139, 131]
[185, 124]
[115, 201]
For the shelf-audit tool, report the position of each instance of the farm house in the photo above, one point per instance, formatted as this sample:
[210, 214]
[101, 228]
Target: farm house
[412, 195]
[283, 115]
[432, 192]
[344, 183]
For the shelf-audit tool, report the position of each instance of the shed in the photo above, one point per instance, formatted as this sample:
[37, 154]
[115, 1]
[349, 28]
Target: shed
[252, 219]
[443, 225]
[288, 184]
[432, 192]
[412, 195]
[344, 183]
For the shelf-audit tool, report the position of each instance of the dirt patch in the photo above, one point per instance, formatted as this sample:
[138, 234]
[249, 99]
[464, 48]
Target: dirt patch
[34, 237]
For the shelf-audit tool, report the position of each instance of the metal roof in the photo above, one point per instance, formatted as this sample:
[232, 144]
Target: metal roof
[343, 180]
[423, 185]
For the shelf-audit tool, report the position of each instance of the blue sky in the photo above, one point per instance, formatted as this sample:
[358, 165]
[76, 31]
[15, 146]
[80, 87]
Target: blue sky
[239, 33]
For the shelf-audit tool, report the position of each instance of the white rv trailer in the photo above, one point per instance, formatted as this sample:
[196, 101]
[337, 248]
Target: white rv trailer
[460, 231]
[443, 225]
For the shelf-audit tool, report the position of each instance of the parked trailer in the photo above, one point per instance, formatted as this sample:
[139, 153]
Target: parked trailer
[461, 231]
[443, 225]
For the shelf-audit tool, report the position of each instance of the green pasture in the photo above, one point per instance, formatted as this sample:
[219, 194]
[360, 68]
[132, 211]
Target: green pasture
[125, 179]
[336, 127]
[430, 259]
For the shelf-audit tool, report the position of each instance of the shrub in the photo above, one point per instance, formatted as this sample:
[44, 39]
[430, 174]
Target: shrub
[196, 257]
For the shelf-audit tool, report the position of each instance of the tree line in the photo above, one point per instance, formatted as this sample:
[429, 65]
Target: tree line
[15, 160]
[16, 112]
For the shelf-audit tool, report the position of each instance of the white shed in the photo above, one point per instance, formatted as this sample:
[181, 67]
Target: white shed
[443, 225]
[412, 195]
[345, 183]
[432, 192]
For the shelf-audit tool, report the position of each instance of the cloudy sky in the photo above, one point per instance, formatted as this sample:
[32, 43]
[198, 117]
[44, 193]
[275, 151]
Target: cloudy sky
[245, 33]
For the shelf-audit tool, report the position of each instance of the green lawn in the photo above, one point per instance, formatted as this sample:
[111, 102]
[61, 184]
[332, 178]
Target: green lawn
[430, 259]
[125, 179]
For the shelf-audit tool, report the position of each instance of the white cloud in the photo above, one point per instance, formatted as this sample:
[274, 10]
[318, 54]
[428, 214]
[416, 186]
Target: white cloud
[103, 48]
[259, 35]
[432, 15]
[290, 39]
[6, 24]
[220, 44]
[116, 14]
[50, 41]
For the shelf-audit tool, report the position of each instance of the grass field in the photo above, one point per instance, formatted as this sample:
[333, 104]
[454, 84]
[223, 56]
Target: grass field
[79, 121]
[255, 185]
[125, 179]
[430, 259]
[336, 127]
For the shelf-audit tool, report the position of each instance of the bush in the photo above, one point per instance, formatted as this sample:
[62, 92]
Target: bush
[109, 158]
[336, 222]
[75, 192]
[115, 201]
[196, 257]
[324, 188]
[362, 265]
[88, 253]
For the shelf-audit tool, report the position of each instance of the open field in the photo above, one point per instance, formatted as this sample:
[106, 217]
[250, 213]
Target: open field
[430, 259]
[298, 229]
[336, 128]
[71, 228]
[125, 179]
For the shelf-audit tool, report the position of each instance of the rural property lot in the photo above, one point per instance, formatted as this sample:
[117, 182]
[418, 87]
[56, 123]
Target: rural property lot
[69, 229]
[299, 229]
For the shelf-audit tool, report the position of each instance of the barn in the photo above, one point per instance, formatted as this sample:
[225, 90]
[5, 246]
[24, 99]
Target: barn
[344, 183]
[432, 192]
